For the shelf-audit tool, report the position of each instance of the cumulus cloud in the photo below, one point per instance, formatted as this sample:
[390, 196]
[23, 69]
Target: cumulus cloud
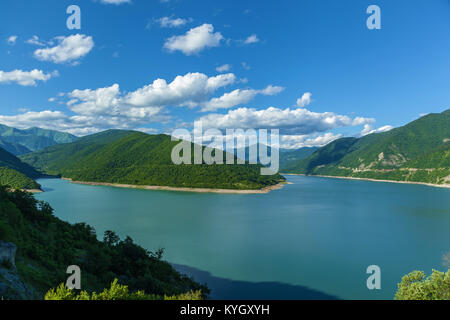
[195, 40]
[223, 68]
[12, 40]
[251, 39]
[25, 78]
[238, 97]
[301, 141]
[169, 22]
[116, 2]
[188, 90]
[293, 121]
[305, 100]
[368, 129]
[69, 49]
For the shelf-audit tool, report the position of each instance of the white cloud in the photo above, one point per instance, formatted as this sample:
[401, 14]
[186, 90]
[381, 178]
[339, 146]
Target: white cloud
[305, 100]
[293, 121]
[25, 78]
[188, 90]
[195, 40]
[34, 40]
[78, 124]
[230, 100]
[238, 97]
[12, 40]
[102, 101]
[368, 129]
[251, 39]
[69, 49]
[117, 2]
[169, 22]
[271, 90]
[301, 141]
[223, 68]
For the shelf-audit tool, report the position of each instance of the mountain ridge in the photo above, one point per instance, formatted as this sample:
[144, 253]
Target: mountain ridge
[34, 138]
[415, 152]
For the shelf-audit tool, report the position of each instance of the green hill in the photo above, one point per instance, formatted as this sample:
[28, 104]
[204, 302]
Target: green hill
[137, 158]
[418, 151]
[46, 246]
[33, 139]
[15, 179]
[16, 174]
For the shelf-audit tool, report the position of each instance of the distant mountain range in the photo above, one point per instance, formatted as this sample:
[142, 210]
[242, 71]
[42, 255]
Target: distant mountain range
[136, 158]
[19, 142]
[416, 152]
[13, 172]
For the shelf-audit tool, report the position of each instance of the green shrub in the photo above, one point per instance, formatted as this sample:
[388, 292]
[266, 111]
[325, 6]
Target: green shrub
[115, 292]
[416, 286]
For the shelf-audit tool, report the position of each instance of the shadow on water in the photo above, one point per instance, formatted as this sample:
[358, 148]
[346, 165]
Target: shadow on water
[226, 289]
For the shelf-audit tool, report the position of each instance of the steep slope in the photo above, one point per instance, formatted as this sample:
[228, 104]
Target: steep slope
[17, 180]
[10, 161]
[417, 152]
[137, 158]
[15, 173]
[34, 138]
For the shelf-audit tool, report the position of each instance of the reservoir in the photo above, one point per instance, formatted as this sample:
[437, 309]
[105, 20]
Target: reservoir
[312, 239]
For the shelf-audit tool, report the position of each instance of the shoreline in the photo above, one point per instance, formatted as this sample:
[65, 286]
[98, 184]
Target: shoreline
[180, 189]
[34, 190]
[445, 186]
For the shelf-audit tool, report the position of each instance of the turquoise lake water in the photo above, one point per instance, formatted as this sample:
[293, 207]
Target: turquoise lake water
[313, 239]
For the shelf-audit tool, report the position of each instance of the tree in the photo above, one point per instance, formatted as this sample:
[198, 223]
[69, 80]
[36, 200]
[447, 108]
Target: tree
[111, 238]
[416, 286]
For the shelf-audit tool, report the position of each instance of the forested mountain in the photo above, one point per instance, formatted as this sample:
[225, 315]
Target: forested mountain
[418, 151]
[16, 174]
[11, 161]
[136, 158]
[46, 246]
[22, 141]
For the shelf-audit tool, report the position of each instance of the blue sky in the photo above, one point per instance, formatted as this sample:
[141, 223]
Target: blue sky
[240, 64]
